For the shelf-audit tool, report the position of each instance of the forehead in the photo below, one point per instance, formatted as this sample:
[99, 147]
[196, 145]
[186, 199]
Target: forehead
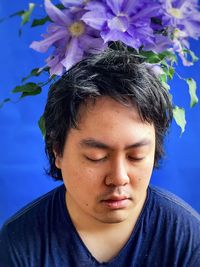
[107, 119]
[106, 105]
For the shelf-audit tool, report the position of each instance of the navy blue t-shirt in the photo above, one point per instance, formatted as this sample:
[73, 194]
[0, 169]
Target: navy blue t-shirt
[167, 234]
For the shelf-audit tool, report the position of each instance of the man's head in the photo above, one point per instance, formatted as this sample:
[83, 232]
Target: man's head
[115, 74]
[107, 162]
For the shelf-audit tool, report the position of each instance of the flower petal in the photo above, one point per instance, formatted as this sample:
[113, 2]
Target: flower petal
[131, 6]
[96, 6]
[42, 46]
[119, 23]
[160, 44]
[95, 19]
[192, 28]
[56, 68]
[143, 30]
[53, 27]
[147, 12]
[72, 3]
[56, 14]
[90, 44]
[124, 37]
[109, 35]
[73, 54]
[115, 6]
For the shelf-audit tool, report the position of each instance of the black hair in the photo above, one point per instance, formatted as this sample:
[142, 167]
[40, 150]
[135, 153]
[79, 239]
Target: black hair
[117, 73]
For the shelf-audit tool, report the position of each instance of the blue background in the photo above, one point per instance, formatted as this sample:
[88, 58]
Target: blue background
[22, 158]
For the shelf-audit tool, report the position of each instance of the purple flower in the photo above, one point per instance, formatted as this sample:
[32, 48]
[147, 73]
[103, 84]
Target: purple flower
[161, 43]
[124, 20]
[182, 20]
[71, 38]
[182, 15]
[73, 3]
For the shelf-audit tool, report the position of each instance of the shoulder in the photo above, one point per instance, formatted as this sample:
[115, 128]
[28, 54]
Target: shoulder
[173, 215]
[34, 212]
[23, 235]
[170, 203]
[175, 225]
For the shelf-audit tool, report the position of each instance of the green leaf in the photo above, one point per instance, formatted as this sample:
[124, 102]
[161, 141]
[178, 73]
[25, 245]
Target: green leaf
[171, 73]
[168, 55]
[42, 21]
[36, 92]
[179, 116]
[167, 69]
[35, 72]
[163, 78]
[27, 89]
[26, 15]
[4, 101]
[154, 58]
[38, 22]
[150, 56]
[192, 91]
[18, 13]
[41, 124]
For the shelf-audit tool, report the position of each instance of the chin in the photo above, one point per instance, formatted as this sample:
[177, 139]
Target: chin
[113, 218]
[112, 221]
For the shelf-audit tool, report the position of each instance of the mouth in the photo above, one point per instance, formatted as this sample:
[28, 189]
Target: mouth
[116, 202]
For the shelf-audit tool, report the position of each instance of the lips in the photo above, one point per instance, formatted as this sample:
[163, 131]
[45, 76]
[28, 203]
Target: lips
[116, 202]
[116, 198]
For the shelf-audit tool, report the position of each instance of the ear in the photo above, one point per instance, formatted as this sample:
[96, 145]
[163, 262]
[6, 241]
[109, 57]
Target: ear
[58, 160]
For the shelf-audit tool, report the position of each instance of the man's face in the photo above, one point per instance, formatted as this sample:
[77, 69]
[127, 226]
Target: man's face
[107, 162]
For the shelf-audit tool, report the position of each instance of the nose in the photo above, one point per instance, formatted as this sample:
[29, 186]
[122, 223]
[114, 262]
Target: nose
[118, 174]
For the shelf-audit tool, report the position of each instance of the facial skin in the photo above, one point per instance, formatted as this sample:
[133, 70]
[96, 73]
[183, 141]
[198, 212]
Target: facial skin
[107, 162]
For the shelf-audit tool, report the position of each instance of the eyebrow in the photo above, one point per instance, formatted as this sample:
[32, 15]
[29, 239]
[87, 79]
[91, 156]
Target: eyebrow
[93, 143]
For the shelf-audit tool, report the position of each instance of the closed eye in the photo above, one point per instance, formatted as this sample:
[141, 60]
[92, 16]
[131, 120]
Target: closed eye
[135, 158]
[96, 160]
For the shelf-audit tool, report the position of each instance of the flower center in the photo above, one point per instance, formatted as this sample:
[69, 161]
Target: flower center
[179, 34]
[77, 28]
[176, 13]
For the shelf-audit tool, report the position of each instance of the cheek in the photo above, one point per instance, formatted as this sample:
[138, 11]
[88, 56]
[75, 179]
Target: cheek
[83, 186]
[82, 180]
[142, 174]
